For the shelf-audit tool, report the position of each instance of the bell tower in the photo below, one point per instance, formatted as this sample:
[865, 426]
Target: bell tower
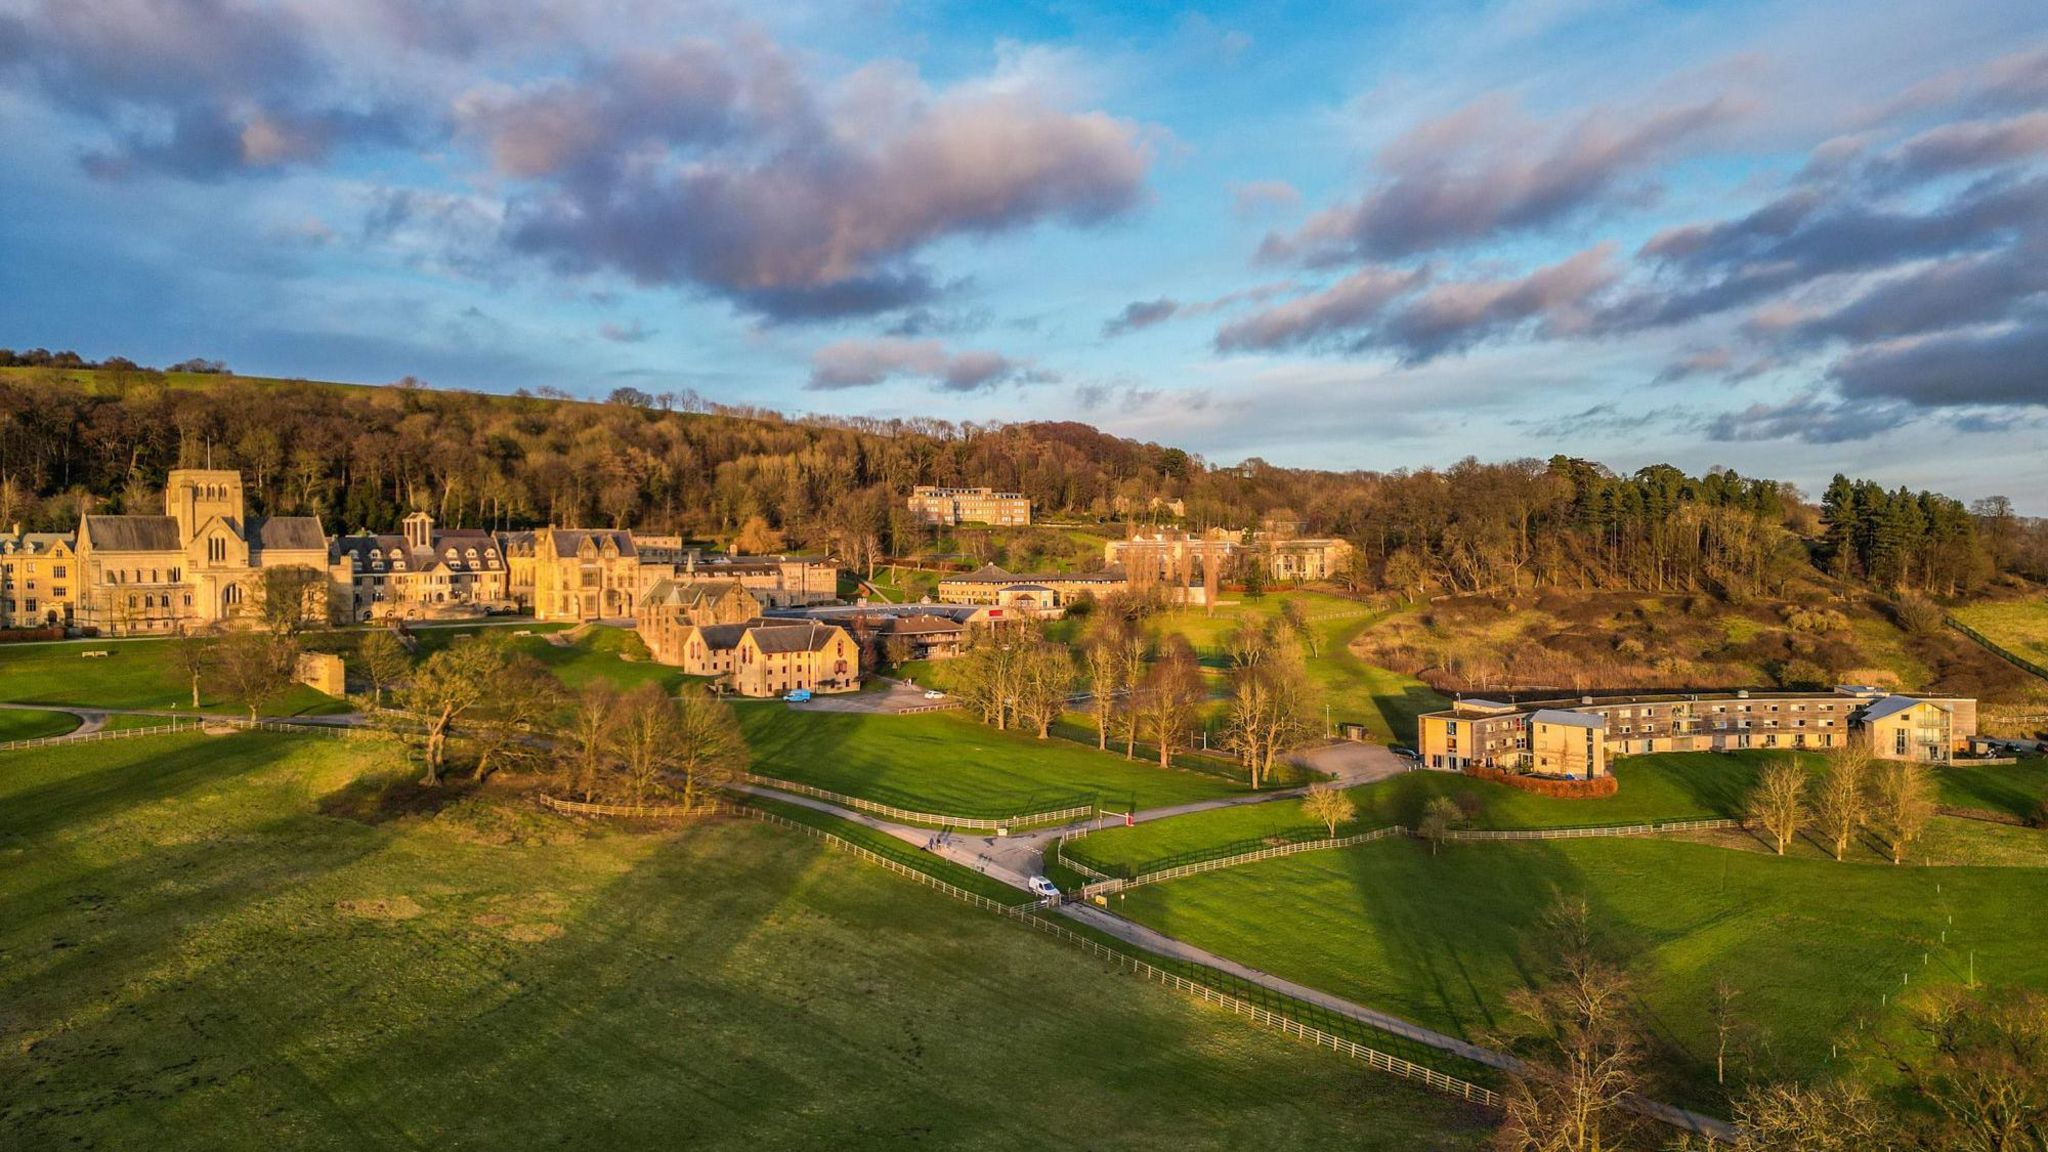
[192, 496]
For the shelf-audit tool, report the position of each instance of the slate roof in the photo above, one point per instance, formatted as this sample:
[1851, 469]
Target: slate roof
[920, 625]
[1889, 706]
[689, 593]
[809, 636]
[32, 543]
[569, 540]
[720, 637]
[132, 533]
[1568, 719]
[288, 533]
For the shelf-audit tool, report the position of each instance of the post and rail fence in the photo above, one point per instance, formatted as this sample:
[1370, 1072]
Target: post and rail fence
[911, 816]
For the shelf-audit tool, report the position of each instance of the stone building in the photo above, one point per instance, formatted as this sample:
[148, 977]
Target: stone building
[672, 608]
[38, 572]
[602, 574]
[931, 504]
[769, 657]
[419, 572]
[1037, 591]
[195, 565]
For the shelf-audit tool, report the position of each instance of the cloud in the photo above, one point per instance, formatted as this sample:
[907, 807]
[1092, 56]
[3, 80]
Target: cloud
[1140, 314]
[632, 333]
[2006, 365]
[791, 203]
[1964, 146]
[1929, 297]
[1489, 169]
[863, 363]
[1813, 418]
[1419, 317]
[1335, 315]
[200, 89]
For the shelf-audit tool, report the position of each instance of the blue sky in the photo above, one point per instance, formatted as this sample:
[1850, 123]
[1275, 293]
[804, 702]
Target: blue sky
[1787, 238]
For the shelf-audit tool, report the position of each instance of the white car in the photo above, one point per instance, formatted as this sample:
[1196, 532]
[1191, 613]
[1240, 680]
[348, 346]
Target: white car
[1040, 886]
[934, 694]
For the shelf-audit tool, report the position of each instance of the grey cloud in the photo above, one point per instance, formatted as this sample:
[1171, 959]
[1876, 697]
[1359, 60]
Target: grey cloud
[1488, 169]
[1974, 289]
[1140, 314]
[1965, 146]
[225, 87]
[934, 322]
[1335, 315]
[1419, 318]
[814, 210]
[1812, 418]
[2017, 80]
[865, 363]
[2001, 366]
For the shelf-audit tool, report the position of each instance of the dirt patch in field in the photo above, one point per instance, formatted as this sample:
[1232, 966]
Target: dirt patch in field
[381, 908]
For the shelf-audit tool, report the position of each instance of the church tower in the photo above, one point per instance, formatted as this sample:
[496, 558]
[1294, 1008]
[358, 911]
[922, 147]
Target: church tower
[192, 496]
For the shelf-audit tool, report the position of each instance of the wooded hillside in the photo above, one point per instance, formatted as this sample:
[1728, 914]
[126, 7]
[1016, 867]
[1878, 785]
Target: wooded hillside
[75, 436]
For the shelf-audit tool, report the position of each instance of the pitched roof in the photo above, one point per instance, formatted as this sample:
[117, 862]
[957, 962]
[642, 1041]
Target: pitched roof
[288, 533]
[1890, 706]
[1568, 719]
[808, 636]
[132, 533]
[920, 625]
[569, 540]
[719, 637]
[690, 593]
[986, 574]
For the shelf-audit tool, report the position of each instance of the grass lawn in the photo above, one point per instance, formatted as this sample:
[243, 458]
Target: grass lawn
[944, 763]
[2014, 789]
[133, 674]
[1671, 786]
[1443, 941]
[22, 724]
[2020, 626]
[204, 949]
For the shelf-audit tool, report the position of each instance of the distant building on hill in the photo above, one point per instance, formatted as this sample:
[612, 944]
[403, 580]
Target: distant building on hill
[1038, 591]
[931, 504]
[1179, 556]
[1579, 739]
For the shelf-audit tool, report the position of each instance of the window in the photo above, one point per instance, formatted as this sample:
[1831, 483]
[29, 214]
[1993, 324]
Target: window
[216, 551]
[1899, 742]
[57, 571]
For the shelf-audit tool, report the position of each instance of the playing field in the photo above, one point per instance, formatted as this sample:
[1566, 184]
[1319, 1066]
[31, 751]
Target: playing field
[1809, 943]
[945, 763]
[132, 674]
[2019, 626]
[233, 942]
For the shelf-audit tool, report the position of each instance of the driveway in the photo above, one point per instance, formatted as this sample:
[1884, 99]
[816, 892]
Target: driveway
[894, 699]
[1351, 763]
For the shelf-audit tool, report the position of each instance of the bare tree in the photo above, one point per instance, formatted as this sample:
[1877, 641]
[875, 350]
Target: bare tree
[1131, 652]
[384, 662]
[1778, 802]
[1573, 1097]
[505, 728]
[1043, 679]
[444, 689]
[1103, 654]
[1841, 803]
[1727, 1025]
[585, 737]
[253, 669]
[1901, 805]
[1170, 695]
[1839, 1116]
[1271, 702]
[645, 739]
[1440, 817]
[196, 657]
[1984, 1068]
[290, 598]
[709, 750]
[1329, 805]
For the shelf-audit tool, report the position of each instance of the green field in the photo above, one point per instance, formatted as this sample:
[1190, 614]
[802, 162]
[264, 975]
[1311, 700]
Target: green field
[133, 674]
[945, 763]
[1444, 940]
[24, 724]
[1665, 787]
[230, 943]
[2019, 626]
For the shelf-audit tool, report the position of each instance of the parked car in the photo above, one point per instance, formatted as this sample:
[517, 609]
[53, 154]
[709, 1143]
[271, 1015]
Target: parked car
[1040, 886]
[798, 696]
[934, 694]
[1403, 752]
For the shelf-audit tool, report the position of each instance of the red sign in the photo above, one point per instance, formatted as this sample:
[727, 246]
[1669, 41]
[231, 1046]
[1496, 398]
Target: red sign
[994, 612]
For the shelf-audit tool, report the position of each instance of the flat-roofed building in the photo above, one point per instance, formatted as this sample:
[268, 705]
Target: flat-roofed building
[932, 504]
[1032, 591]
[1477, 734]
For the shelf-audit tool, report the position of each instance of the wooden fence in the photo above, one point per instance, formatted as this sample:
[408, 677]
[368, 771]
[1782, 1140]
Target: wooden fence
[1105, 885]
[890, 811]
[169, 728]
[642, 811]
[1023, 913]
[1997, 649]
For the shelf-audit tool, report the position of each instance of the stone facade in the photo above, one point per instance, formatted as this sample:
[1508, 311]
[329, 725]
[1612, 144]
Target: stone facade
[196, 565]
[1030, 592]
[769, 657]
[932, 504]
[600, 574]
[672, 608]
[421, 572]
[38, 578]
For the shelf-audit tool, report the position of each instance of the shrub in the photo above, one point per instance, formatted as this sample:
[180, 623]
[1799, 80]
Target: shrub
[1917, 614]
[1551, 786]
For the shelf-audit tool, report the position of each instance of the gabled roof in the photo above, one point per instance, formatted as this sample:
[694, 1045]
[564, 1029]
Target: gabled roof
[920, 625]
[569, 540]
[287, 533]
[690, 593]
[132, 533]
[722, 637]
[986, 574]
[808, 636]
[1568, 719]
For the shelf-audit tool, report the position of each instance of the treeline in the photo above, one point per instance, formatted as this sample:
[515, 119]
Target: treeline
[674, 463]
[44, 358]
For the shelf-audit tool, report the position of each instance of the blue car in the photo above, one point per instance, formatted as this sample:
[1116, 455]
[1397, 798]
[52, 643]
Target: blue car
[799, 696]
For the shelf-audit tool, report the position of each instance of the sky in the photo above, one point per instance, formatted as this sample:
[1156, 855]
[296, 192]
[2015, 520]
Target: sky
[1787, 238]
